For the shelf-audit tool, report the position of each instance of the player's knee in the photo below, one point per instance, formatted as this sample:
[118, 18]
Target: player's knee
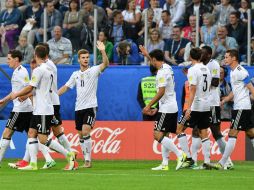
[232, 133]
[195, 132]
[32, 133]
[86, 129]
[250, 133]
[179, 129]
[157, 136]
[7, 134]
[57, 131]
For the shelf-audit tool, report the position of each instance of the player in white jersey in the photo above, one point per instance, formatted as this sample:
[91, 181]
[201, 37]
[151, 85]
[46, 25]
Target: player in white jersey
[22, 111]
[214, 99]
[166, 118]
[42, 119]
[242, 115]
[86, 82]
[56, 128]
[198, 109]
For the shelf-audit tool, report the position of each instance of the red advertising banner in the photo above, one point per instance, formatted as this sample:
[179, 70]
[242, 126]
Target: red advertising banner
[134, 141]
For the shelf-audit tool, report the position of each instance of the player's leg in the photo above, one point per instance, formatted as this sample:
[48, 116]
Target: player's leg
[195, 145]
[5, 142]
[86, 144]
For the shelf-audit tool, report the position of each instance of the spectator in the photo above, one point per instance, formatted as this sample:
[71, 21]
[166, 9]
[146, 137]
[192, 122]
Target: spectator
[222, 12]
[32, 16]
[193, 7]
[252, 50]
[103, 37]
[208, 31]
[72, 24]
[126, 53]
[146, 92]
[155, 41]
[238, 30]
[140, 4]
[26, 49]
[132, 17]
[54, 18]
[189, 46]
[112, 5]
[117, 30]
[177, 11]
[88, 11]
[151, 24]
[244, 7]
[222, 43]
[60, 47]
[187, 30]
[86, 35]
[10, 19]
[225, 89]
[165, 26]
[174, 48]
[156, 10]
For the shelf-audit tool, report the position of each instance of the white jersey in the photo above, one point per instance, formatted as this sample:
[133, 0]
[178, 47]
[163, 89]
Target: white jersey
[86, 83]
[165, 78]
[240, 91]
[55, 97]
[42, 80]
[19, 80]
[214, 68]
[199, 75]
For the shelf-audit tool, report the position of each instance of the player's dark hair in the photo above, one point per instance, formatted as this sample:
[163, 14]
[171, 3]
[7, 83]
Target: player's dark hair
[196, 53]
[208, 49]
[16, 54]
[82, 51]
[157, 54]
[41, 52]
[233, 53]
[44, 44]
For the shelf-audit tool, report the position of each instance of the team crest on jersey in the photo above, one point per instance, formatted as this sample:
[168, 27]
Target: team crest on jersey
[26, 79]
[34, 79]
[161, 80]
[190, 78]
[214, 71]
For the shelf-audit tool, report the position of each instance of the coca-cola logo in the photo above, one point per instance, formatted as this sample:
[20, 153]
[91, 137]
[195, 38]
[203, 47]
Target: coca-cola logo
[214, 146]
[104, 140]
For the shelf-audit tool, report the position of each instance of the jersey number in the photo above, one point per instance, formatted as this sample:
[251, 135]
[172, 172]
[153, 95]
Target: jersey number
[82, 83]
[51, 83]
[205, 83]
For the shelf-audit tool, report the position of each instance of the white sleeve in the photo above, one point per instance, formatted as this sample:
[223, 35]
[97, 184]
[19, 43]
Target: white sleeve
[162, 79]
[71, 83]
[96, 70]
[36, 77]
[192, 77]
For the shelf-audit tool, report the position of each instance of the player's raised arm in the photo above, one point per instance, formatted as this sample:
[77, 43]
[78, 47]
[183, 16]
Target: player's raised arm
[105, 61]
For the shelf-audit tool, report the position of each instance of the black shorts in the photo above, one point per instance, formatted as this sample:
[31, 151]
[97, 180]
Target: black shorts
[215, 115]
[86, 116]
[242, 120]
[57, 115]
[166, 122]
[42, 123]
[19, 121]
[201, 120]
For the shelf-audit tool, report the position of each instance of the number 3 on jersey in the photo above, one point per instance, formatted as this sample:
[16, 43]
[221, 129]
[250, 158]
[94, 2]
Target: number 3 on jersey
[205, 83]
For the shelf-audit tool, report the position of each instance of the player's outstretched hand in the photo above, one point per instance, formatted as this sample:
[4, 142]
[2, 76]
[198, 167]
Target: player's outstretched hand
[144, 51]
[100, 46]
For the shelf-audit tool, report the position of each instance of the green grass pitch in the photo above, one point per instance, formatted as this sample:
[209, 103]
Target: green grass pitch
[129, 175]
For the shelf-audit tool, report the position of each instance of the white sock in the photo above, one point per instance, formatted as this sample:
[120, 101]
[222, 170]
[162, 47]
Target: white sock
[54, 145]
[33, 149]
[27, 155]
[252, 141]
[228, 150]
[164, 154]
[45, 152]
[195, 145]
[182, 138]
[168, 143]
[64, 141]
[5, 143]
[221, 144]
[88, 147]
[206, 145]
